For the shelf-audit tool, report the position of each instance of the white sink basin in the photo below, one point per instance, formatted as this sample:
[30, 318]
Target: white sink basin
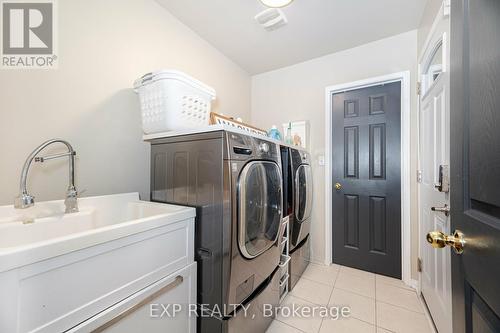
[16, 234]
[44, 231]
[58, 270]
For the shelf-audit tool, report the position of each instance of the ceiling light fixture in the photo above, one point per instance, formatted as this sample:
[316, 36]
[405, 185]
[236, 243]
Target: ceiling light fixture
[276, 3]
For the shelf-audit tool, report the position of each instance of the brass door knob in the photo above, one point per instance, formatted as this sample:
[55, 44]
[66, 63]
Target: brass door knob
[439, 240]
[338, 186]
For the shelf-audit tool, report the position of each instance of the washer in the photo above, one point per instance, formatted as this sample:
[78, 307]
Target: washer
[235, 182]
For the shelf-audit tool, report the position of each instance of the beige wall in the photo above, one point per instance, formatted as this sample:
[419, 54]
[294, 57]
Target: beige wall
[298, 93]
[103, 47]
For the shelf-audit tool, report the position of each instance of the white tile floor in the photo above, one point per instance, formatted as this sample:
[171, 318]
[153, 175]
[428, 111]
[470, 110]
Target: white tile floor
[378, 304]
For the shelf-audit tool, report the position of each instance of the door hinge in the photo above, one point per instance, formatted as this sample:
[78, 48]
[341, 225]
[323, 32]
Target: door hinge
[419, 176]
[419, 265]
[419, 88]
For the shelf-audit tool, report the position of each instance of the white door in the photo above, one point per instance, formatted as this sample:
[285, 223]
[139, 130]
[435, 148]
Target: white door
[434, 153]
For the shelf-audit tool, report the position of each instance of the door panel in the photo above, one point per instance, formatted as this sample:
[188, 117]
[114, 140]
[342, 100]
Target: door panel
[434, 152]
[481, 318]
[378, 229]
[367, 165]
[377, 151]
[351, 221]
[475, 163]
[351, 152]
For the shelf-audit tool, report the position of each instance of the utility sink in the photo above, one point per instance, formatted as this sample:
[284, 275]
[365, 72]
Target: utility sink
[38, 232]
[58, 270]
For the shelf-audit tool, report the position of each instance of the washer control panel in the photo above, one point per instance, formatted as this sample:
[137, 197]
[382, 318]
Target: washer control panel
[264, 147]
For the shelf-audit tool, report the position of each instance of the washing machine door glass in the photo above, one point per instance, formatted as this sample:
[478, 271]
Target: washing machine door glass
[303, 192]
[259, 207]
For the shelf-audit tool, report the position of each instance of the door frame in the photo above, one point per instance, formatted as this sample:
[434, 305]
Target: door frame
[404, 78]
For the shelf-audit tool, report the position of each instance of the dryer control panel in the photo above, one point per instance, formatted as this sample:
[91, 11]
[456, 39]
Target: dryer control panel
[242, 147]
[300, 157]
[266, 150]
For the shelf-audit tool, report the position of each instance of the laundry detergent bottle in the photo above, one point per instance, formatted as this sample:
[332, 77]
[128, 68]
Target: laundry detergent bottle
[274, 133]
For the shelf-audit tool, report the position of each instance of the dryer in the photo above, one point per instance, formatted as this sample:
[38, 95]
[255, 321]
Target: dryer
[235, 183]
[300, 220]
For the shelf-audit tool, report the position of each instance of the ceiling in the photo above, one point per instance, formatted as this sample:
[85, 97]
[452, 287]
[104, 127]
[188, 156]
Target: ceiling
[315, 27]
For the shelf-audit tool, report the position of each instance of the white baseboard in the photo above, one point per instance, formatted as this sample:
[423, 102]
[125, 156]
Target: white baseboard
[319, 262]
[415, 285]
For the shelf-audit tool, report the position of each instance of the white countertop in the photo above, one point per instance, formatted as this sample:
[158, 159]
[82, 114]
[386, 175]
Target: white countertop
[214, 128]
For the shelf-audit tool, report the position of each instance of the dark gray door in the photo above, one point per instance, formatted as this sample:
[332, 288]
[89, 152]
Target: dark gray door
[475, 163]
[367, 179]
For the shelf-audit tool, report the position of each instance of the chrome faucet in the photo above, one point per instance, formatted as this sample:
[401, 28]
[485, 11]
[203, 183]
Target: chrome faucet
[25, 200]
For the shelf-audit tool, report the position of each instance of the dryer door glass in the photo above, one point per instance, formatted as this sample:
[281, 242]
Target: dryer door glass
[260, 201]
[303, 192]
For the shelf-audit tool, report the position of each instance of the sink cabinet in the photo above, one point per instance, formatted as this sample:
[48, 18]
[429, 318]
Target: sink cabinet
[162, 307]
[85, 279]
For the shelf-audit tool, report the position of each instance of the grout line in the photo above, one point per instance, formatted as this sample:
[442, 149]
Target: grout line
[386, 329]
[366, 322]
[313, 280]
[426, 315]
[334, 283]
[308, 301]
[376, 325]
[355, 318]
[402, 307]
[321, 325]
[289, 325]
[330, 298]
[353, 292]
[372, 324]
[405, 287]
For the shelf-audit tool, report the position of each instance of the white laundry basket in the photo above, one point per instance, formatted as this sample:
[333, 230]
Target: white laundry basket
[171, 100]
